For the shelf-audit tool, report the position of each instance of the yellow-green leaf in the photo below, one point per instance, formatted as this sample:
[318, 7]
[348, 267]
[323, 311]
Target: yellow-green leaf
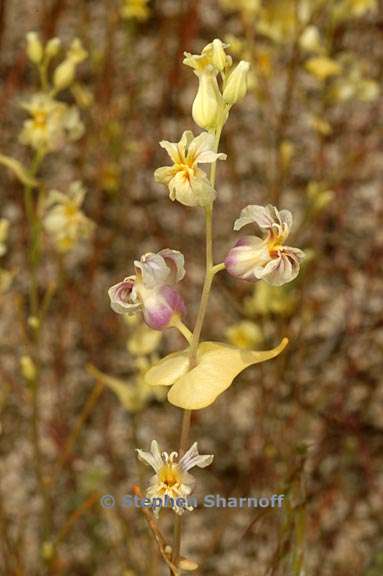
[19, 171]
[168, 370]
[217, 366]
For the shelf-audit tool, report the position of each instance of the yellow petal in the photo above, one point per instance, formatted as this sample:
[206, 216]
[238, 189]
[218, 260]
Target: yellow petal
[168, 370]
[218, 365]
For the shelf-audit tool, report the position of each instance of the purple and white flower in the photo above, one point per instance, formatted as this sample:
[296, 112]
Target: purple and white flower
[151, 290]
[267, 258]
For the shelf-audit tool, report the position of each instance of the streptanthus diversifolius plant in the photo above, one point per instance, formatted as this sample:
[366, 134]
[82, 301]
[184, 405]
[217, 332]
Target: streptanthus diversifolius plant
[202, 371]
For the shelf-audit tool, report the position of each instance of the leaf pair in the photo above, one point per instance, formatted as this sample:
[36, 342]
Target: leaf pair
[217, 366]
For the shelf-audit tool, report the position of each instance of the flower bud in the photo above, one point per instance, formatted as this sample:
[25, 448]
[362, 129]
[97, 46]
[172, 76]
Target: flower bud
[236, 86]
[64, 74]
[219, 57]
[207, 103]
[35, 49]
[52, 48]
[76, 52]
[28, 368]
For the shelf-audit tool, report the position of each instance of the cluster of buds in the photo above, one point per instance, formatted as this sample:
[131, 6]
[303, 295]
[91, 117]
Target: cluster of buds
[41, 55]
[213, 101]
[52, 122]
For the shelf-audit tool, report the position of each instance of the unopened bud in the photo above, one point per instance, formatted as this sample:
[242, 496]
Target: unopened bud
[64, 74]
[52, 48]
[219, 58]
[76, 52]
[47, 551]
[188, 565]
[35, 49]
[207, 103]
[28, 368]
[236, 87]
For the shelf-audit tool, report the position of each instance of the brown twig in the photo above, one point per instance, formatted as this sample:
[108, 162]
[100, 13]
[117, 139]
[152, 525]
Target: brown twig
[158, 536]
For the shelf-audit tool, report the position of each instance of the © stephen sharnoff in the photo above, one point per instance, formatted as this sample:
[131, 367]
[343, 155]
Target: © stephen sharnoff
[209, 501]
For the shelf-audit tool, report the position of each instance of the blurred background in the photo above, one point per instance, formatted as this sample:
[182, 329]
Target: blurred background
[308, 137]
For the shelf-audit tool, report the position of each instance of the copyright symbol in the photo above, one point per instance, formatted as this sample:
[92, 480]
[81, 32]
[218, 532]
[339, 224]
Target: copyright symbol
[107, 501]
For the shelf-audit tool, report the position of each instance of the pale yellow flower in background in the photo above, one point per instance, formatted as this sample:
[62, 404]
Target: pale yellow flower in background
[266, 299]
[187, 183]
[144, 340]
[52, 48]
[249, 8]
[353, 84]
[245, 334]
[310, 40]
[65, 72]
[64, 221]
[4, 227]
[353, 8]
[51, 123]
[172, 479]
[135, 10]
[323, 67]
[35, 49]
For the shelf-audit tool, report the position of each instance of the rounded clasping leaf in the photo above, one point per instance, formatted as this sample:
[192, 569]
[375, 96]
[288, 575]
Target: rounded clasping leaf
[217, 366]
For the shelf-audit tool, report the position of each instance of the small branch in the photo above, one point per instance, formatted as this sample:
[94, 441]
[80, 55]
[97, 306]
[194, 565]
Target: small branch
[163, 546]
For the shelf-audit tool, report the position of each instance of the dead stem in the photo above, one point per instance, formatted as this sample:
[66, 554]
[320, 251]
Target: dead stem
[163, 546]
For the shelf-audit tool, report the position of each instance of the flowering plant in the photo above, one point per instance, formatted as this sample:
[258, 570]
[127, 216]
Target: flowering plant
[200, 373]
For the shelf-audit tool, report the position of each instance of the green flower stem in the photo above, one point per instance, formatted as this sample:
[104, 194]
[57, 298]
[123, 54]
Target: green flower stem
[182, 328]
[34, 228]
[210, 272]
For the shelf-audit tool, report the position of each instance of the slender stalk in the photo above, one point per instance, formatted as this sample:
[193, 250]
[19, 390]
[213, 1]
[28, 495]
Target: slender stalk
[34, 228]
[210, 272]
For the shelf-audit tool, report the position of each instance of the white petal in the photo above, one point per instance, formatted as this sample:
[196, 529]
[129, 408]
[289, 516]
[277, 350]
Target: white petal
[203, 143]
[175, 261]
[193, 458]
[264, 216]
[153, 458]
[154, 270]
[281, 270]
[164, 174]
[172, 149]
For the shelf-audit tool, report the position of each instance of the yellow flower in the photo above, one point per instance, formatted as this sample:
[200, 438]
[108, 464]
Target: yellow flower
[353, 8]
[51, 123]
[268, 299]
[64, 221]
[244, 335]
[217, 366]
[213, 58]
[65, 72]
[144, 340]
[135, 9]
[323, 67]
[186, 181]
